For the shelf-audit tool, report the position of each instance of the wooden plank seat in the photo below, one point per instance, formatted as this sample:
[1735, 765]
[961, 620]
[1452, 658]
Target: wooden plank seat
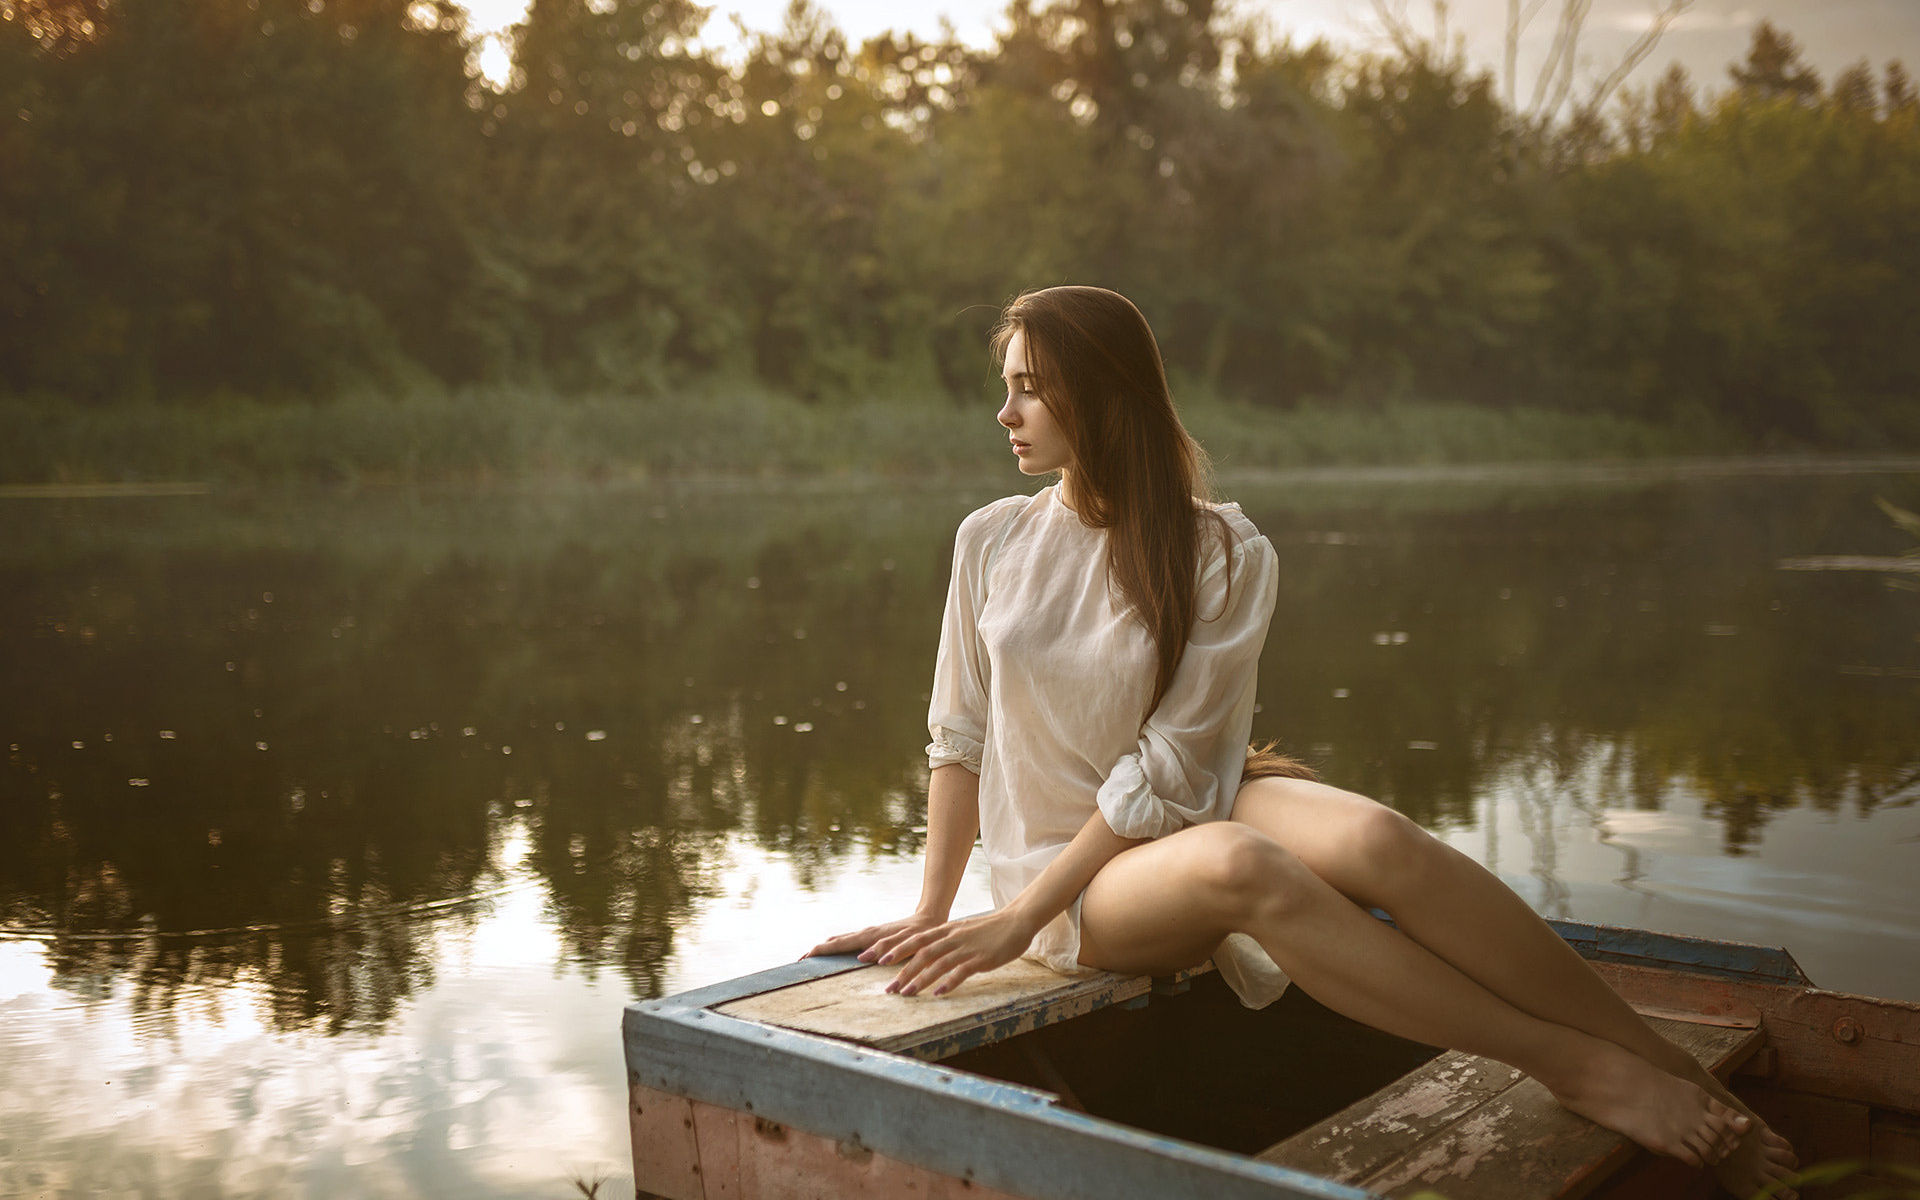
[1474, 1129]
[991, 1007]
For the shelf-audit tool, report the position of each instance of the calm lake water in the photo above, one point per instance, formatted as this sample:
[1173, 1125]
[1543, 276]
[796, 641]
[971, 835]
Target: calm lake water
[335, 830]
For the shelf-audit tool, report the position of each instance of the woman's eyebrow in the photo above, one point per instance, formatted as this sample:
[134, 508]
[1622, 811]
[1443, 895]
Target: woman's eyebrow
[1017, 375]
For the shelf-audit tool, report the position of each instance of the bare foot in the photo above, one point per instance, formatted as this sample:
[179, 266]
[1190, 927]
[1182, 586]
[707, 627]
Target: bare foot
[1629, 1095]
[1762, 1157]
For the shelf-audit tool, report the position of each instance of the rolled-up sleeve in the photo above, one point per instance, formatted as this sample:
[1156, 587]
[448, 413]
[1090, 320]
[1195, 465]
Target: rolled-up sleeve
[1186, 769]
[957, 711]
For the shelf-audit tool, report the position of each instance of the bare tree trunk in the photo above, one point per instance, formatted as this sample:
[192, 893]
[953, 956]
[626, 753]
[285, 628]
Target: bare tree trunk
[1513, 50]
[1636, 54]
[1555, 80]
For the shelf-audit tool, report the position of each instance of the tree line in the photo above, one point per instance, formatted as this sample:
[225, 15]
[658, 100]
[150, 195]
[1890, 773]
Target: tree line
[287, 198]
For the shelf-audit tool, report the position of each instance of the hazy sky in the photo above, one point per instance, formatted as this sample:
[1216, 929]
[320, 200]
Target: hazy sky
[1713, 33]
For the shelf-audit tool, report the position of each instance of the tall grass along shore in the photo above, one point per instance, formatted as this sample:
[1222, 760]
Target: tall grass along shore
[505, 434]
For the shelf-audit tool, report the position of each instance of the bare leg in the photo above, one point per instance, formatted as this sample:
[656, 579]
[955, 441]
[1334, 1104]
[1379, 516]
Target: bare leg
[1169, 902]
[1455, 908]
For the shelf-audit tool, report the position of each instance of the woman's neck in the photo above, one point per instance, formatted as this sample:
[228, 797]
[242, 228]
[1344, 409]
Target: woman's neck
[1065, 493]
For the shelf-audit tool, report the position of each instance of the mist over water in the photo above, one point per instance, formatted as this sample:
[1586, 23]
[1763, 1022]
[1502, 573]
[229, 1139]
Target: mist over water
[336, 829]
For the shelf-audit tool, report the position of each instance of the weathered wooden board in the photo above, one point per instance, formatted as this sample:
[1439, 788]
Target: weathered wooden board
[990, 1007]
[1821, 1128]
[1895, 1139]
[1522, 1143]
[1828, 1043]
[757, 1159]
[1373, 1132]
[1657, 1177]
[1517, 1144]
[1474, 1129]
[666, 1160]
[1678, 952]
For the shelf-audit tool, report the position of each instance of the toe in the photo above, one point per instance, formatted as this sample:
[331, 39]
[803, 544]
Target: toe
[1690, 1154]
[1719, 1143]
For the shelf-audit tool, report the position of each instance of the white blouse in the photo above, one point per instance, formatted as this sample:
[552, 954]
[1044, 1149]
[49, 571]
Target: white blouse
[1041, 689]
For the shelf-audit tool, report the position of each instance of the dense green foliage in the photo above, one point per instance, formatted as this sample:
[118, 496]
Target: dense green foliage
[494, 434]
[283, 198]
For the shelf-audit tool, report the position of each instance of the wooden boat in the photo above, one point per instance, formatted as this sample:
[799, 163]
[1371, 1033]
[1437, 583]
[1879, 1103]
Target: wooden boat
[808, 1081]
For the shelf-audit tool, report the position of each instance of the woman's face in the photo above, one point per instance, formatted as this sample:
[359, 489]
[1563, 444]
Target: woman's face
[1037, 439]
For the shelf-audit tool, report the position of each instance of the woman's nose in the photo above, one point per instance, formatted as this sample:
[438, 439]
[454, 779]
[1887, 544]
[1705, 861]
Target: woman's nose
[1007, 416]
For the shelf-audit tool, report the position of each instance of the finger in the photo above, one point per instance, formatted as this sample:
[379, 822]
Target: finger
[909, 967]
[878, 947]
[839, 943]
[914, 944]
[866, 937]
[932, 974]
[888, 943]
[966, 969]
[913, 969]
[927, 970]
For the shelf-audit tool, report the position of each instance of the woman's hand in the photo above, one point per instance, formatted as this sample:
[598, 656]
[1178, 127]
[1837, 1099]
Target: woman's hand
[938, 960]
[875, 940]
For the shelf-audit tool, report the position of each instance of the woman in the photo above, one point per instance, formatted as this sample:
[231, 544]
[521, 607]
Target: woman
[1091, 707]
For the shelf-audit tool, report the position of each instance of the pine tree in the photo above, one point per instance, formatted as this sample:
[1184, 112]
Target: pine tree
[1899, 90]
[1672, 101]
[1774, 67]
[1854, 90]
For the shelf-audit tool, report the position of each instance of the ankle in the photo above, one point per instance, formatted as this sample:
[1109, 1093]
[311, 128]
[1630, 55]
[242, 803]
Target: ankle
[1573, 1065]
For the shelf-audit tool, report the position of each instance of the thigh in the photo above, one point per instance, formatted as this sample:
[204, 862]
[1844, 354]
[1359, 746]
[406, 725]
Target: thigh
[1361, 847]
[1146, 912]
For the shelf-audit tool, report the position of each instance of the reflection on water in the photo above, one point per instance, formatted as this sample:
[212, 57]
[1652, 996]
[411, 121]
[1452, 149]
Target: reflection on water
[334, 831]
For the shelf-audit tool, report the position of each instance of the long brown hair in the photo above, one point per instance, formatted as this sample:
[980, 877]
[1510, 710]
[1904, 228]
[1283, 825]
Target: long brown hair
[1136, 470]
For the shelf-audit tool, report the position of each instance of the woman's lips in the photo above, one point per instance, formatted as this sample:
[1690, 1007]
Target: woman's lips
[1019, 447]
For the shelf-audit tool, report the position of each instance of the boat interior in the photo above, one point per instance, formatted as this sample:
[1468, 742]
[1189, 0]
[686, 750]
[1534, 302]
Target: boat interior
[1302, 1087]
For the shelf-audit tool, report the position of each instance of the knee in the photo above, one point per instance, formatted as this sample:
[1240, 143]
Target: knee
[1399, 857]
[1243, 874]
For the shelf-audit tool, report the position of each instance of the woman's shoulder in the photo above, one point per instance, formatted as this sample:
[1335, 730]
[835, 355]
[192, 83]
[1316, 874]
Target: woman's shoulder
[990, 520]
[1241, 532]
